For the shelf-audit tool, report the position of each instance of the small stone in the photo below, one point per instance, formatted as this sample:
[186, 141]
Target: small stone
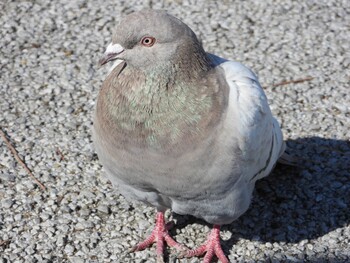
[319, 198]
[70, 110]
[7, 177]
[7, 203]
[44, 216]
[76, 260]
[336, 185]
[61, 240]
[18, 217]
[69, 249]
[103, 208]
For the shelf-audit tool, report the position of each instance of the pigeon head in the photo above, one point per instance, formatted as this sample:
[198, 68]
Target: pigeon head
[153, 38]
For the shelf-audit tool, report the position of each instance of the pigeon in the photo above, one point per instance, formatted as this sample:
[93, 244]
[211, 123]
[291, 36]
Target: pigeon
[178, 128]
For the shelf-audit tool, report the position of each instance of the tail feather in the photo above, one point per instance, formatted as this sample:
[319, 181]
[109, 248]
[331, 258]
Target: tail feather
[295, 161]
[288, 159]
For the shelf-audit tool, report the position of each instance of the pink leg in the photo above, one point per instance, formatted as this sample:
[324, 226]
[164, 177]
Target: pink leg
[211, 247]
[159, 235]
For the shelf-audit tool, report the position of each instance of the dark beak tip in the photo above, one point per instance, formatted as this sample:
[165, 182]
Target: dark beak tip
[106, 58]
[102, 61]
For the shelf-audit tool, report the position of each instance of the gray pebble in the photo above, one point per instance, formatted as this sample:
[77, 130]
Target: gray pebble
[7, 177]
[103, 208]
[69, 249]
[7, 203]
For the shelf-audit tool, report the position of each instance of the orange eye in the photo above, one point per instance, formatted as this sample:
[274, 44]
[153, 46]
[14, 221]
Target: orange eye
[148, 41]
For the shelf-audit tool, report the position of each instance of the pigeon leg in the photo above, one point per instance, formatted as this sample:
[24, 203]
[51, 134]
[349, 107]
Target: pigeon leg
[159, 235]
[211, 247]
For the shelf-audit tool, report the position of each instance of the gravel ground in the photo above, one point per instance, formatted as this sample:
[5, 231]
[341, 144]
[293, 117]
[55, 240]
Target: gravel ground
[49, 83]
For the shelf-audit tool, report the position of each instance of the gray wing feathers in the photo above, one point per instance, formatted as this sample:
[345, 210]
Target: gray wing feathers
[258, 133]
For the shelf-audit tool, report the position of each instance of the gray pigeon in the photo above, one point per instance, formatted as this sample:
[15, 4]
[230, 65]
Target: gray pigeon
[178, 128]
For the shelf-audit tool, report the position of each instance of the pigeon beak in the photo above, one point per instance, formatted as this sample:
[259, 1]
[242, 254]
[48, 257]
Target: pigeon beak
[111, 53]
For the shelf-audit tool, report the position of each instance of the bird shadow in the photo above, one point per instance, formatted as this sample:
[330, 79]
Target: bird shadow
[294, 204]
[299, 203]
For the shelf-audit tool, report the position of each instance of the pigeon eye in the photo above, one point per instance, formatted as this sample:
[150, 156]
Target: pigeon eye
[148, 41]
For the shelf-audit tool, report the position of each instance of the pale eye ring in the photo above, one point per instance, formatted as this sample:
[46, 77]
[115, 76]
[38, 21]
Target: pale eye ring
[148, 41]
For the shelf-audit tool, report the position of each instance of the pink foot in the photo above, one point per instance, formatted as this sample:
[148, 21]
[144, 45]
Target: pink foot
[211, 247]
[159, 235]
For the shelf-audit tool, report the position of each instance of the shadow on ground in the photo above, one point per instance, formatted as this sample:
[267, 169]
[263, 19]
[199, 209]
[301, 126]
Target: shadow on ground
[293, 204]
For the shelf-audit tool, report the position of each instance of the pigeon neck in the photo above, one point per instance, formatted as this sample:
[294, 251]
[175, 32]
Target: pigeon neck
[186, 68]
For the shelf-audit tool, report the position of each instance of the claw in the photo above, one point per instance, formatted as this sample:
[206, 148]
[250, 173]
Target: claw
[210, 248]
[159, 236]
